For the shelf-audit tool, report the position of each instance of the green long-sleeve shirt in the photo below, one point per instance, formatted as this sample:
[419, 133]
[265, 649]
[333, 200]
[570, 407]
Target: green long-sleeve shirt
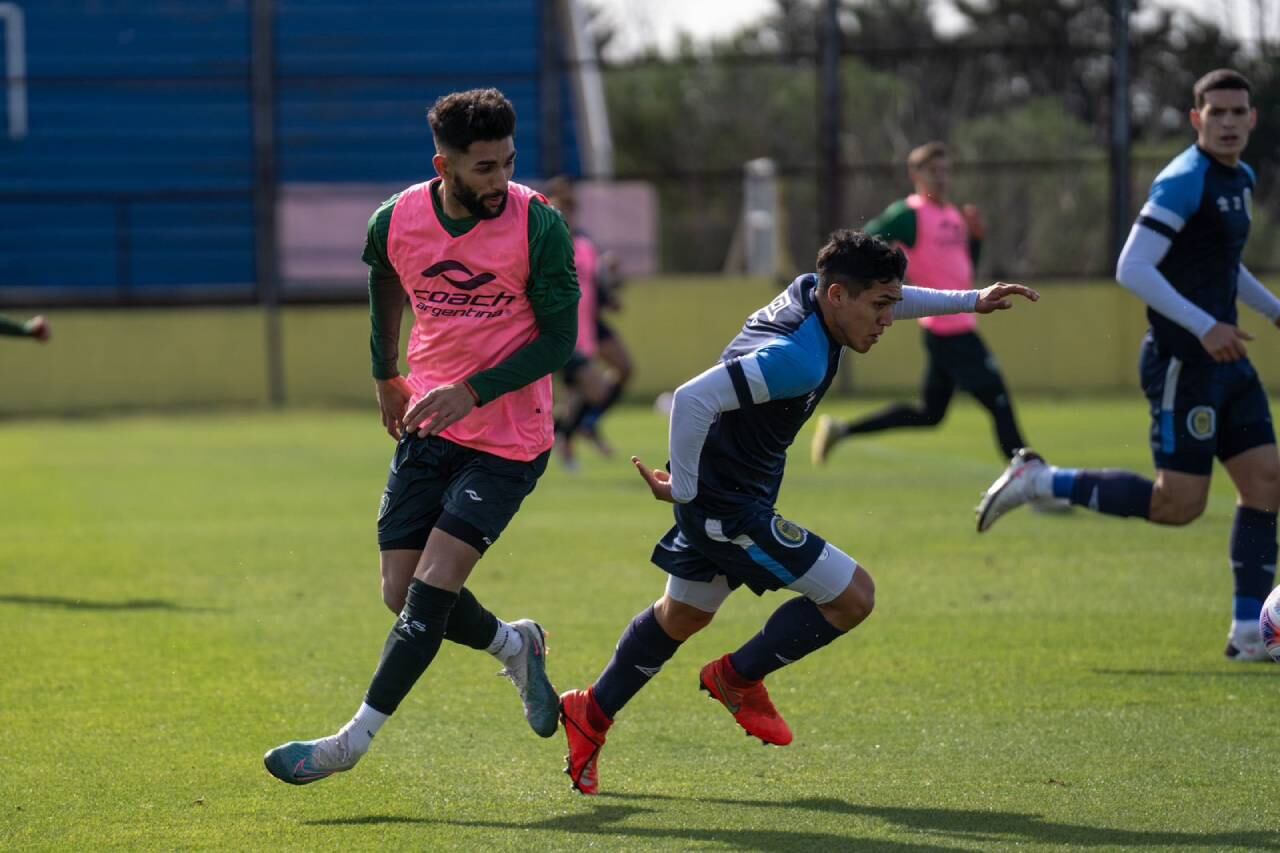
[552, 290]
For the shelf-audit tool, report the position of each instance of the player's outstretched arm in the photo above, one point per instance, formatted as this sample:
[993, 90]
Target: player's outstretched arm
[996, 297]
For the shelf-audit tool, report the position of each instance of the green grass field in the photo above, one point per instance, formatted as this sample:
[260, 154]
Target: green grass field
[178, 594]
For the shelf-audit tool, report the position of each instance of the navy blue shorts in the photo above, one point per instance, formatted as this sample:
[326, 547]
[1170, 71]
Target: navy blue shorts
[758, 548]
[467, 493]
[1203, 410]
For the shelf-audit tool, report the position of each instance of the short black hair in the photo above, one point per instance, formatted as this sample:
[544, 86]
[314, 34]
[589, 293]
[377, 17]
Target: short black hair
[858, 260]
[461, 118]
[1220, 78]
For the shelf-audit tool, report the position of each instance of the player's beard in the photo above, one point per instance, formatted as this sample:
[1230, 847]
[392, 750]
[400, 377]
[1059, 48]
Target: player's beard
[474, 203]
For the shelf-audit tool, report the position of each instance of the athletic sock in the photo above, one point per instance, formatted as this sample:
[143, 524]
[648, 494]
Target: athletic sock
[642, 650]
[470, 624]
[794, 630]
[362, 728]
[411, 645]
[506, 643]
[1108, 491]
[1253, 560]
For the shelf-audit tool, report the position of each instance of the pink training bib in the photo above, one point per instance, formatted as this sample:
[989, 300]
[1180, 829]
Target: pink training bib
[940, 259]
[471, 312]
[586, 259]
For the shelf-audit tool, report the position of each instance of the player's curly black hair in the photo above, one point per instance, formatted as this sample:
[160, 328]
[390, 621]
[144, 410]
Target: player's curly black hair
[858, 260]
[461, 118]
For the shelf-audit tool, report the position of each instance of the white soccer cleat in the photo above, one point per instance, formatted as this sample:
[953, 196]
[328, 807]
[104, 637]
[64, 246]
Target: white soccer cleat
[304, 762]
[1013, 488]
[1245, 644]
[1051, 506]
[528, 672]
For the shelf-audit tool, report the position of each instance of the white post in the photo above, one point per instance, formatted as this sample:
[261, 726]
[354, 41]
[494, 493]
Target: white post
[15, 52]
[760, 217]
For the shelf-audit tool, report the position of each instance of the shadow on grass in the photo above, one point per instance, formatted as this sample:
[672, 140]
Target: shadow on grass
[1260, 669]
[84, 604]
[947, 826]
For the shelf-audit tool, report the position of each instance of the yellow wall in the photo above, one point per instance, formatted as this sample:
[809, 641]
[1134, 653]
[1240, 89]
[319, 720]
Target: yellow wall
[1080, 338]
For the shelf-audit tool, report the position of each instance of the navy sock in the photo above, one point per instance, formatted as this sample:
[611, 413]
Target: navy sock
[1253, 560]
[1109, 491]
[794, 630]
[411, 645]
[642, 650]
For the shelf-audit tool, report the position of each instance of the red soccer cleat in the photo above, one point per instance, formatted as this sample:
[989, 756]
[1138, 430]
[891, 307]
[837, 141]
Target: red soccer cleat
[748, 701]
[585, 740]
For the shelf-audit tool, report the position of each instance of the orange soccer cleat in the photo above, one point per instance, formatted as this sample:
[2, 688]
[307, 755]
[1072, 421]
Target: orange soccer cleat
[748, 701]
[585, 740]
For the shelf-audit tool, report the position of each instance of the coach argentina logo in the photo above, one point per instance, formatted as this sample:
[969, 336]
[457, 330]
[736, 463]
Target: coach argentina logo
[471, 283]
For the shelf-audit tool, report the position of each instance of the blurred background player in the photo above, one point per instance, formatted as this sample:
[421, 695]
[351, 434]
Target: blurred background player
[730, 430]
[488, 267]
[1182, 259]
[37, 327]
[941, 243]
[591, 387]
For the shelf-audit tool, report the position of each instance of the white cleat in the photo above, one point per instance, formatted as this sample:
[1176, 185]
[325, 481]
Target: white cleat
[304, 762]
[1012, 489]
[1051, 506]
[824, 438]
[528, 672]
[1245, 645]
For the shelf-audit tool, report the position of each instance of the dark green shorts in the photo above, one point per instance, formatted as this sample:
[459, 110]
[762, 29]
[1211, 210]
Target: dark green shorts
[466, 493]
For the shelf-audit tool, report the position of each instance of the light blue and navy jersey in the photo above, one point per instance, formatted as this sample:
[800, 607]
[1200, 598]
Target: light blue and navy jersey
[1204, 208]
[781, 364]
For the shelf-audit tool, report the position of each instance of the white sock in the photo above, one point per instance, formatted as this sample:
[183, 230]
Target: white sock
[507, 642]
[363, 726]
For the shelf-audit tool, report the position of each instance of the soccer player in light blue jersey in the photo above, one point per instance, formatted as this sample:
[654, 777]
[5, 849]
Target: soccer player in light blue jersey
[1182, 259]
[730, 430]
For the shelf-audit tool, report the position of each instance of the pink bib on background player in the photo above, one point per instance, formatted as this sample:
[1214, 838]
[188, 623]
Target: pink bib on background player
[471, 312]
[940, 259]
[586, 259]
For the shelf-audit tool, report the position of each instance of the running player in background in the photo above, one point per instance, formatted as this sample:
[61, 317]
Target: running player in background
[730, 430]
[941, 243]
[1182, 259]
[37, 327]
[591, 389]
[487, 266]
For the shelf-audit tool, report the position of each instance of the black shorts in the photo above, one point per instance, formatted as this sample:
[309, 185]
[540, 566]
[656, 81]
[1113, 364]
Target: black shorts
[1203, 410]
[758, 548]
[467, 493]
[604, 332]
[961, 361]
[572, 367]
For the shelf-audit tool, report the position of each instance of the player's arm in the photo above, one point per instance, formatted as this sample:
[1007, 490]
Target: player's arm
[1256, 295]
[896, 223]
[386, 308]
[926, 302]
[553, 294]
[1171, 203]
[786, 368]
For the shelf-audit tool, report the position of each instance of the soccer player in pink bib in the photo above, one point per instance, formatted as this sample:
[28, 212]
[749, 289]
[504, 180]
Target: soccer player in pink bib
[487, 267]
[941, 243]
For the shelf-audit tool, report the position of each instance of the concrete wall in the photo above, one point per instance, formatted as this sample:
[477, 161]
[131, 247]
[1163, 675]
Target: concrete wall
[1080, 338]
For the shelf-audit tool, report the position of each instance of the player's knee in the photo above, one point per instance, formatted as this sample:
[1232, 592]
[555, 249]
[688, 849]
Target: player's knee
[393, 596]
[850, 608]
[680, 621]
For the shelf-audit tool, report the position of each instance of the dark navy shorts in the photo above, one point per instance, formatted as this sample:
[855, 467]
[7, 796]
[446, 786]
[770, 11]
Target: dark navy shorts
[1202, 410]
[467, 493]
[758, 548]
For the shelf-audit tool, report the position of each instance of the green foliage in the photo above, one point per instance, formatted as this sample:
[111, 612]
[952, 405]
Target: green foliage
[180, 594]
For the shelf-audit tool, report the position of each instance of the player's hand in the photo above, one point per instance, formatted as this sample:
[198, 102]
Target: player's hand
[393, 398]
[973, 218]
[659, 481]
[38, 328]
[440, 409]
[996, 297]
[1225, 342]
